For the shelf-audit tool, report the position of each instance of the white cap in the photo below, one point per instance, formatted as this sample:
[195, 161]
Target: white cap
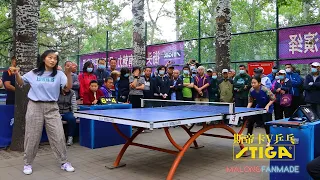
[232, 70]
[209, 70]
[282, 71]
[225, 71]
[316, 64]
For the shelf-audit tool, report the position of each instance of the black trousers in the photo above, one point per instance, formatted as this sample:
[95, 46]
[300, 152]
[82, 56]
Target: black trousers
[296, 102]
[9, 102]
[241, 102]
[279, 110]
[313, 168]
[135, 100]
[264, 117]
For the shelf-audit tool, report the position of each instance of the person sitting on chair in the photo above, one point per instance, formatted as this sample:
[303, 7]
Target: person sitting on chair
[92, 96]
[106, 88]
[67, 106]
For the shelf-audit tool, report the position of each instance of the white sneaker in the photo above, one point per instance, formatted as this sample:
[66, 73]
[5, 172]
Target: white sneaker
[70, 141]
[27, 170]
[67, 167]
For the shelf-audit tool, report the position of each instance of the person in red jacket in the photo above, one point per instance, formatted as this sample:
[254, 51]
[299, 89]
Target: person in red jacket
[92, 96]
[85, 78]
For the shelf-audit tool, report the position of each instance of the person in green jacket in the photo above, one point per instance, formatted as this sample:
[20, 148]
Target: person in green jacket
[241, 85]
[214, 88]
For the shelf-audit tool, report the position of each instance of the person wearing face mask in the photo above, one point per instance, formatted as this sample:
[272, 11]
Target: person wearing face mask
[162, 84]
[242, 85]
[312, 87]
[101, 73]
[282, 86]
[123, 85]
[188, 83]
[136, 87]
[209, 73]
[148, 86]
[296, 84]
[214, 88]
[85, 78]
[272, 75]
[226, 87]
[276, 78]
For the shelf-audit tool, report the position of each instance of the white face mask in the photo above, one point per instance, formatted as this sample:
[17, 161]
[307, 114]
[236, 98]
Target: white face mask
[288, 70]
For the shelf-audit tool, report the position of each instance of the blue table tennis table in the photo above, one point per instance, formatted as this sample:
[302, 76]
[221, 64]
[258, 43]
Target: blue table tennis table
[165, 117]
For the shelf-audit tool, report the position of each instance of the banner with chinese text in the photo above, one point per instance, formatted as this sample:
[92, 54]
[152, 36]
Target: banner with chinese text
[94, 57]
[300, 42]
[165, 54]
[124, 57]
[156, 55]
[267, 67]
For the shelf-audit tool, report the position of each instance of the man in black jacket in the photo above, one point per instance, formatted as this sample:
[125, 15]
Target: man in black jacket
[162, 85]
[312, 87]
[148, 86]
[176, 85]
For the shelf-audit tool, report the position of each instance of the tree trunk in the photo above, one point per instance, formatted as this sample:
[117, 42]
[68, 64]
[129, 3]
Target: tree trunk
[25, 14]
[177, 12]
[139, 51]
[223, 35]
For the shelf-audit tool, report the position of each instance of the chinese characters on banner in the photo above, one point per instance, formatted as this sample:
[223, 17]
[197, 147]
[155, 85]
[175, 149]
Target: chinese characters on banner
[156, 55]
[94, 57]
[267, 67]
[301, 42]
[167, 53]
[124, 58]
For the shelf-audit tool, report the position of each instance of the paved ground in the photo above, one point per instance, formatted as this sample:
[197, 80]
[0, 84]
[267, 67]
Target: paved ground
[208, 163]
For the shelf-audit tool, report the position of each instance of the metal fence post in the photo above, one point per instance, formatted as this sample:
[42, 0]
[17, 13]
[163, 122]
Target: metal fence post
[199, 36]
[277, 34]
[78, 54]
[107, 47]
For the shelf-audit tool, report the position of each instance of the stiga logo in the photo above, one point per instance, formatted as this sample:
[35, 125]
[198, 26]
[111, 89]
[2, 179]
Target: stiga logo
[280, 152]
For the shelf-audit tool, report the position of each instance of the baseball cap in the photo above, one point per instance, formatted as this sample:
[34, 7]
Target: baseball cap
[171, 67]
[225, 71]
[316, 64]
[282, 71]
[232, 70]
[209, 70]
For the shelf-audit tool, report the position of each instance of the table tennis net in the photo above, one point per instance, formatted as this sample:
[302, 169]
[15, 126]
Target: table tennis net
[215, 107]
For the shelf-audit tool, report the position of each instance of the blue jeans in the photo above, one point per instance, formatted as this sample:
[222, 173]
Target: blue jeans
[72, 123]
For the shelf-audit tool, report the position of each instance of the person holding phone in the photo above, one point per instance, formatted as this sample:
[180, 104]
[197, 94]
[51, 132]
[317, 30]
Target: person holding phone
[136, 87]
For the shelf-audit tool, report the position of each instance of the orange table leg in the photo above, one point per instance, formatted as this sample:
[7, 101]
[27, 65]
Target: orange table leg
[185, 148]
[124, 148]
[196, 146]
[173, 142]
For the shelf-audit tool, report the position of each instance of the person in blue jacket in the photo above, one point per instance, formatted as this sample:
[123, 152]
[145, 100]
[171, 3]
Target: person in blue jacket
[272, 75]
[264, 99]
[296, 83]
[282, 86]
[101, 72]
[312, 87]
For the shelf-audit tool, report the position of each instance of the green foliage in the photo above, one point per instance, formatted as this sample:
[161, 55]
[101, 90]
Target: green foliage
[63, 23]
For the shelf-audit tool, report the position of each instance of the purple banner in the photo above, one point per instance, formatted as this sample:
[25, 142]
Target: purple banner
[124, 58]
[301, 42]
[94, 57]
[165, 54]
[156, 55]
[301, 61]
